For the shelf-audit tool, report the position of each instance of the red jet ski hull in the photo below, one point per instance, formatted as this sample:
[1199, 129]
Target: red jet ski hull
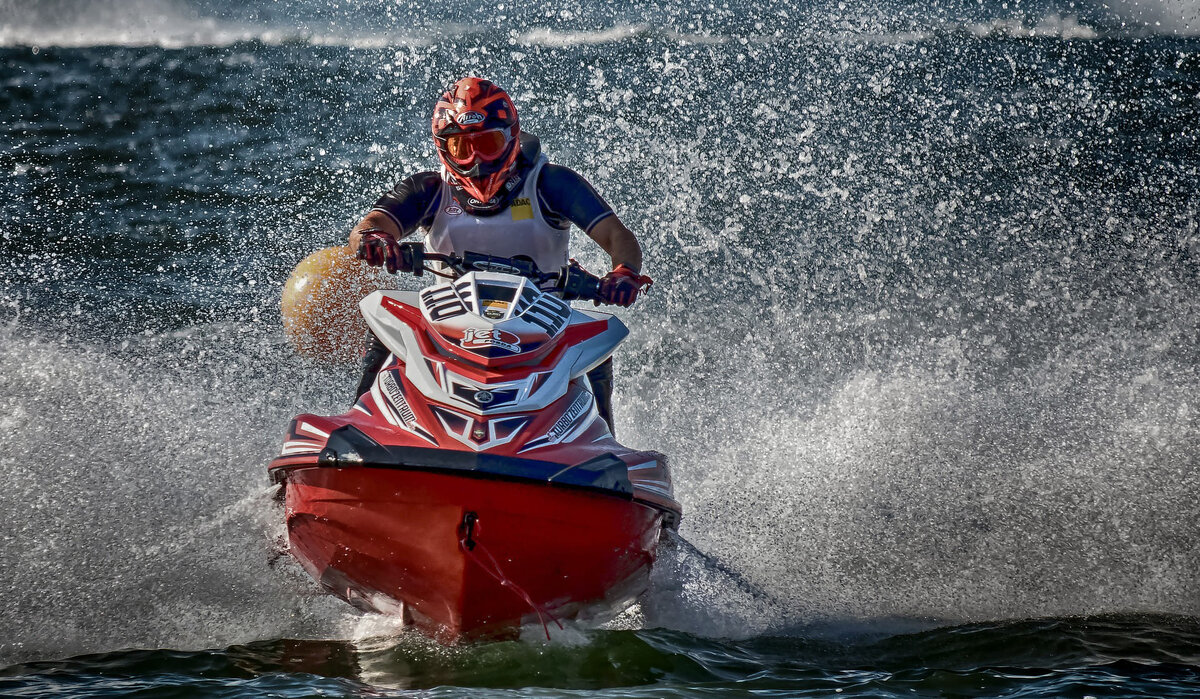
[474, 487]
[468, 557]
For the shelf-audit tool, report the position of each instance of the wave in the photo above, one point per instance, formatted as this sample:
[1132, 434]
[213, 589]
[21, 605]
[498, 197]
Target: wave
[549, 37]
[208, 33]
[172, 31]
[1051, 26]
[1178, 17]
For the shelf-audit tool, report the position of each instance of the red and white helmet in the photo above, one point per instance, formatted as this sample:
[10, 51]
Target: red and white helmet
[476, 131]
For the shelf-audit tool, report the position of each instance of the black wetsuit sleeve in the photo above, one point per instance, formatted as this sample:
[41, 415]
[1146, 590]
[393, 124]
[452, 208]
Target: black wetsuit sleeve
[567, 198]
[413, 202]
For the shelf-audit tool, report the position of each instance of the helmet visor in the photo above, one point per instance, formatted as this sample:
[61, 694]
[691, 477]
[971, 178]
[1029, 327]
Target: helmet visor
[485, 145]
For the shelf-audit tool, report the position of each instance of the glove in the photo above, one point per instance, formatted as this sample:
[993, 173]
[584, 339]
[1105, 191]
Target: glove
[380, 249]
[620, 287]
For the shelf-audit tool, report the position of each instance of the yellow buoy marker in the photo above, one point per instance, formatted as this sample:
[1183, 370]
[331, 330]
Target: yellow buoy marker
[321, 319]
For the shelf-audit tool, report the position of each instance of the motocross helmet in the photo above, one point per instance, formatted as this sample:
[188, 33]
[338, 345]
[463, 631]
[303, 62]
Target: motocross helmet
[477, 135]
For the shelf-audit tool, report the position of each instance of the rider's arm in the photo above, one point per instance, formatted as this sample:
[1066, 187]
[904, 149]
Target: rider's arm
[619, 242]
[408, 206]
[567, 198]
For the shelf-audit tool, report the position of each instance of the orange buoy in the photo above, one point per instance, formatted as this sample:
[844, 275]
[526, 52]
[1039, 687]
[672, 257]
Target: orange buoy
[321, 319]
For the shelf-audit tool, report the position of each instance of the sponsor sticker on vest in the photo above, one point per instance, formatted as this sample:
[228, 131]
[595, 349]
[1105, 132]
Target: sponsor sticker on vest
[454, 209]
[521, 209]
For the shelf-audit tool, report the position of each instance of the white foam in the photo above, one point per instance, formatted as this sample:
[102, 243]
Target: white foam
[1051, 26]
[172, 24]
[139, 510]
[549, 37]
[1175, 17]
[920, 492]
[202, 34]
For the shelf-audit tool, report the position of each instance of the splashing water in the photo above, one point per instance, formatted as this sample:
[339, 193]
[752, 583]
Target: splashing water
[923, 342]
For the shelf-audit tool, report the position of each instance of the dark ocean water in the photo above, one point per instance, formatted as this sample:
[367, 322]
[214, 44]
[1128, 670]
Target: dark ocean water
[1153, 656]
[924, 345]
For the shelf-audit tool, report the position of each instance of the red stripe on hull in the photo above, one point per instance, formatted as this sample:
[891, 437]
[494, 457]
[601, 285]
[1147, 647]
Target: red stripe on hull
[380, 536]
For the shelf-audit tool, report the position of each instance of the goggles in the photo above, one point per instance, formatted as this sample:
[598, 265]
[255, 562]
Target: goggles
[485, 145]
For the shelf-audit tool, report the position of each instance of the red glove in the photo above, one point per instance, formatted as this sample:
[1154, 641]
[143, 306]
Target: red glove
[620, 287]
[380, 249]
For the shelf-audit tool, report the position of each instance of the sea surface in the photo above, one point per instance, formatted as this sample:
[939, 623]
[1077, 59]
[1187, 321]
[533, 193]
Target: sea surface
[923, 345]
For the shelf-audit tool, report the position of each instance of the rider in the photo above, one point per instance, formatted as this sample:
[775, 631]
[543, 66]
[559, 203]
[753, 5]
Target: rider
[496, 194]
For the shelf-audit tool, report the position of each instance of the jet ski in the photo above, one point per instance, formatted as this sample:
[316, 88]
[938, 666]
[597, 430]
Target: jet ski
[475, 488]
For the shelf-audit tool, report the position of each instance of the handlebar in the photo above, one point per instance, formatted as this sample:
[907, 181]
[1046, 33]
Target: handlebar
[572, 281]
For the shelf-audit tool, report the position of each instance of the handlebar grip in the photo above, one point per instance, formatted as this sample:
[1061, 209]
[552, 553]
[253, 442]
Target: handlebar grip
[576, 283]
[412, 256]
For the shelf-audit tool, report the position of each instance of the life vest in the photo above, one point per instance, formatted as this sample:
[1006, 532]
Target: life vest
[519, 229]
